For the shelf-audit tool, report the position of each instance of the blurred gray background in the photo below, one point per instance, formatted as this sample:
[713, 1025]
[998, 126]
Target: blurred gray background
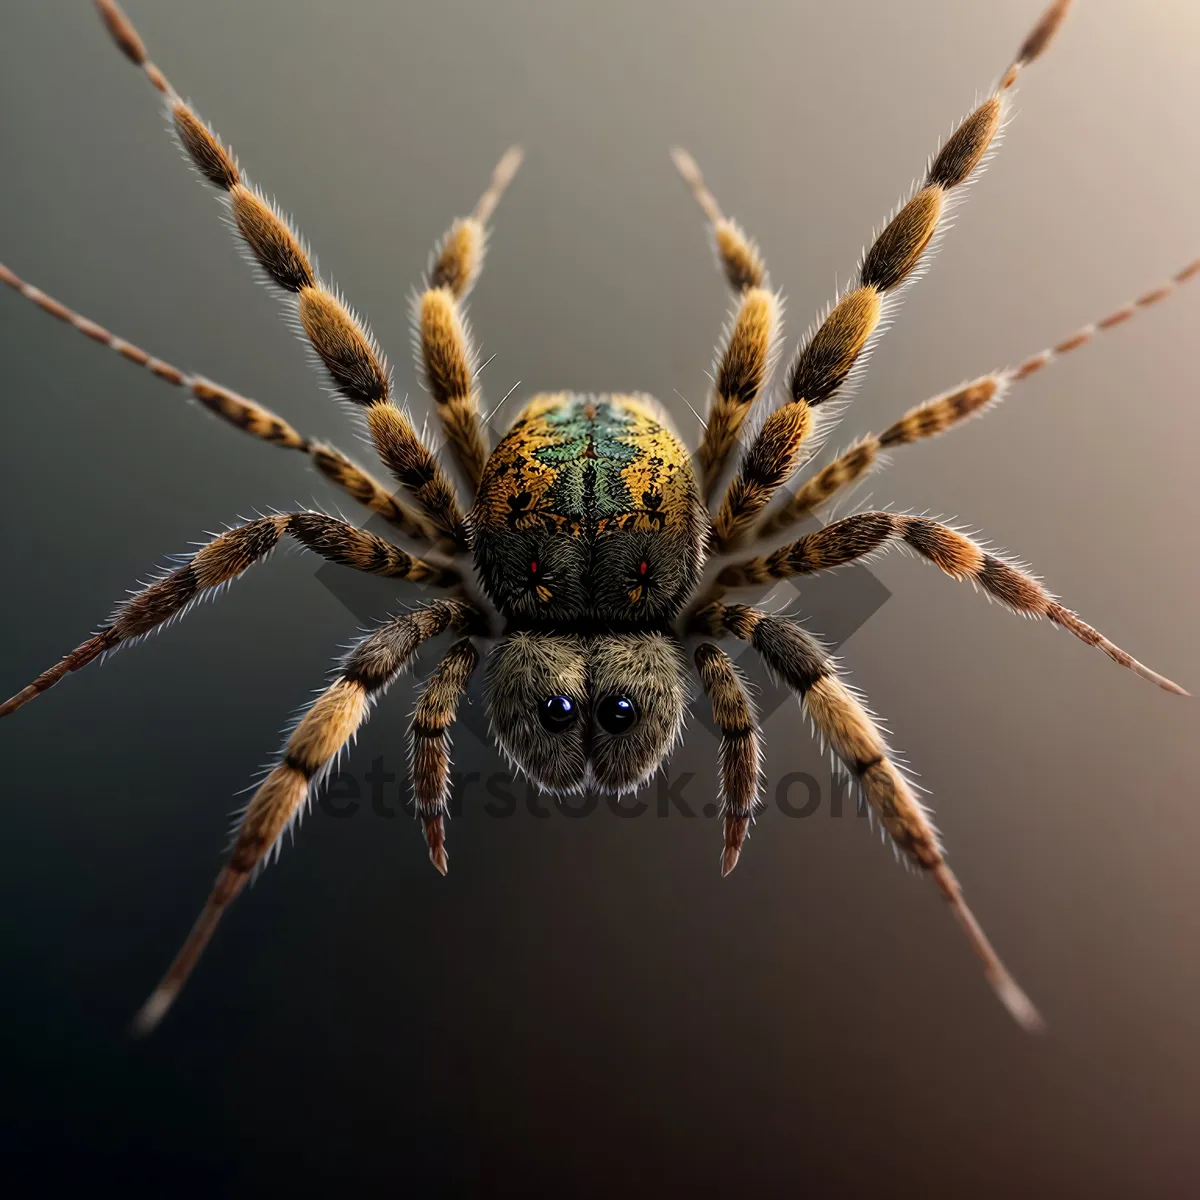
[584, 1006]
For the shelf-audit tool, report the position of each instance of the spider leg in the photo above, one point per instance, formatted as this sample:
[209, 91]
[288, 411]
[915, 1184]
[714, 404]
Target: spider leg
[429, 743]
[243, 413]
[947, 410]
[322, 733]
[746, 355]
[446, 355]
[342, 342]
[834, 355]
[222, 560]
[847, 726]
[740, 757]
[737, 253]
[953, 552]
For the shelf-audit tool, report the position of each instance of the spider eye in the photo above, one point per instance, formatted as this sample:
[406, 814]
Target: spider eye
[616, 714]
[557, 713]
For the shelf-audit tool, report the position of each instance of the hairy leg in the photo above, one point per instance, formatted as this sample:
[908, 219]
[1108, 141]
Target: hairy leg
[740, 757]
[746, 355]
[835, 353]
[247, 415]
[221, 561]
[953, 552]
[845, 724]
[947, 410]
[429, 743]
[322, 733]
[342, 342]
[445, 351]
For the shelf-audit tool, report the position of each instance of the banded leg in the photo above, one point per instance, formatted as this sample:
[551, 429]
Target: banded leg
[952, 552]
[322, 733]
[341, 341]
[847, 726]
[746, 355]
[446, 353]
[221, 561]
[246, 415]
[739, 763]
[429, 743]
[833, 355]
[951, 408]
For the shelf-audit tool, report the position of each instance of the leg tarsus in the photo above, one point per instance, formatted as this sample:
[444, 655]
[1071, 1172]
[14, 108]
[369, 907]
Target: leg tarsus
[229, 884]
[1007, 990]
[435, 839]
[79, 657]
[737, 826]
[1065, 619]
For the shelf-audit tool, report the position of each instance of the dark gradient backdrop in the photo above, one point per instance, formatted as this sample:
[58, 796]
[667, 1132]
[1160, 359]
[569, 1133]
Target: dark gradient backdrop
[583, 1006]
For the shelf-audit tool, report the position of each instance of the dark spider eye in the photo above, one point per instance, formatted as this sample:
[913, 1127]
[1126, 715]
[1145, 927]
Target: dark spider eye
[616, 714]
[557, 713]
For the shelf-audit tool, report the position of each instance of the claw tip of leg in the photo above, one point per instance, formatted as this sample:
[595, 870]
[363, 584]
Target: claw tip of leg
[11, 705]
[1167, 685]
[1020, 1007]
[152, 1012]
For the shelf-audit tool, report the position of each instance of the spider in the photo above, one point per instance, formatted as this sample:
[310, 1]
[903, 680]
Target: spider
[590, 527]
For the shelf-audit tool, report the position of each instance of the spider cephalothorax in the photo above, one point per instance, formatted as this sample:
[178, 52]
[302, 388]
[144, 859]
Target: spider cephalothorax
[588, 535]
[589, 527]
[589, 511]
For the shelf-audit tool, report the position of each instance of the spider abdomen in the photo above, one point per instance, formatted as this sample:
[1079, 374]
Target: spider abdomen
[589, 510]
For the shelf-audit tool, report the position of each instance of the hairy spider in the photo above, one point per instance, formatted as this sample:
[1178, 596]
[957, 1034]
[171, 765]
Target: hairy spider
[590, 527]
